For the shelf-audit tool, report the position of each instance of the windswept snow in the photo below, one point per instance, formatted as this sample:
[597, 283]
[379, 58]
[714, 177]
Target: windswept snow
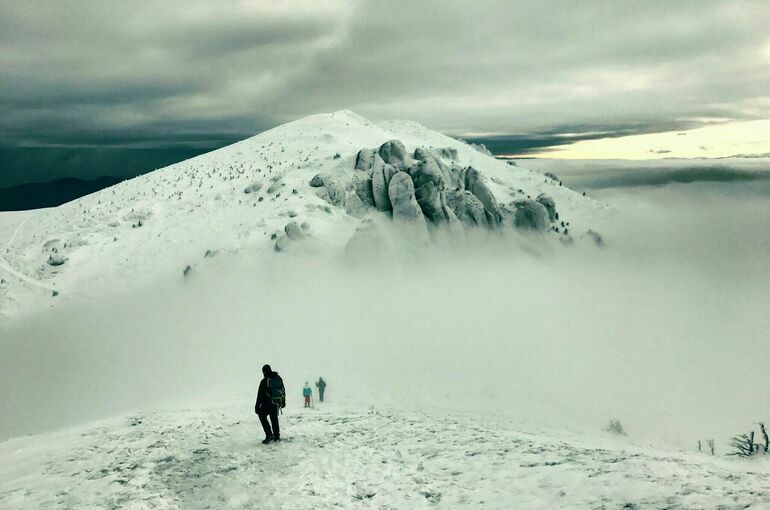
[341, 457]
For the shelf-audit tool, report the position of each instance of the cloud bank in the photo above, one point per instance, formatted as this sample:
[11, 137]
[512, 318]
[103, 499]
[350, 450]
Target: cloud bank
[665, 328]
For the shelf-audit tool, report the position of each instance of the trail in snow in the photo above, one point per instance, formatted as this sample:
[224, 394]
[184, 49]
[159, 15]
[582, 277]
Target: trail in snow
[358, 458]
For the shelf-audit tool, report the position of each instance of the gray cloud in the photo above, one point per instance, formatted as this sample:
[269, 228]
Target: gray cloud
[74, 69]
[739, 176]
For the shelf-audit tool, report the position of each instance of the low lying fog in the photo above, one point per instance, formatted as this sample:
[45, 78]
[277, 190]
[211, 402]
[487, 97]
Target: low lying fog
[665, 328]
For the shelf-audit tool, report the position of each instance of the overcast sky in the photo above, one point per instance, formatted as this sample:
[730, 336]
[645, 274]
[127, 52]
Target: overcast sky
[81, 72]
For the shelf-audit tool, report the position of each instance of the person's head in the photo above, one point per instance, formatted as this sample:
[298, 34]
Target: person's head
[266, 370]
[307, 383]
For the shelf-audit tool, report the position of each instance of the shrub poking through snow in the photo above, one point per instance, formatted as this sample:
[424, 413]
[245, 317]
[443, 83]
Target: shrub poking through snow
[615, 427]
[744, 446]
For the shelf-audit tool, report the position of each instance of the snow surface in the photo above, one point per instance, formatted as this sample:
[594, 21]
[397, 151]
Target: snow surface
[336, 456]
[157, 224]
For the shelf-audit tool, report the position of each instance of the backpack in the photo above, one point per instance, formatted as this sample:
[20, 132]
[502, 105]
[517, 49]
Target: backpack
[277, 391]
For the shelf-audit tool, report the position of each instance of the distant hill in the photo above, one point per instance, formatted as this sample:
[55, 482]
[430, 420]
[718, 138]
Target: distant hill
[50, 194]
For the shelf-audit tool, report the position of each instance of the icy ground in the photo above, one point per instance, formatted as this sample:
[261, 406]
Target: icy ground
[336, 456]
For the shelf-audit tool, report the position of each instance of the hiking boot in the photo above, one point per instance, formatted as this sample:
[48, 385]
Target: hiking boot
[277, 439]
[269, 439]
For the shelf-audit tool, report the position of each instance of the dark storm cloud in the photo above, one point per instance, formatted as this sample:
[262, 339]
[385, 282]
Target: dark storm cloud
[77, 70]
[726, 175]
[544, 141]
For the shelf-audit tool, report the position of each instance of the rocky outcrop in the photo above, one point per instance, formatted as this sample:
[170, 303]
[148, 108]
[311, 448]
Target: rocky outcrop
[365, 159]
[331, 189]
[552, 177]
[293, 231]
[429, 187]
[394, 152]
[595, 237]
[382, 173]
[354, 206]
[55, 259]
[529, 215]
[549, 205]
[475, 184]
[467, 208]
[362, 184]
[429, 184]
[402, 198]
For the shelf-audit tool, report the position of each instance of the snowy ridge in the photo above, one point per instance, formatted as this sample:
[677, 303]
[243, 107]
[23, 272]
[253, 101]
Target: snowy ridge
[158, 224]
[343, 457]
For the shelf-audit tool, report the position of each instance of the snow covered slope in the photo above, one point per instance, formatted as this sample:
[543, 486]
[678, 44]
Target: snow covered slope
[237, 198]
[355, 458]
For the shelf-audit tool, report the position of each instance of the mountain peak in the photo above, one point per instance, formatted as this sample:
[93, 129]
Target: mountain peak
[313, 178]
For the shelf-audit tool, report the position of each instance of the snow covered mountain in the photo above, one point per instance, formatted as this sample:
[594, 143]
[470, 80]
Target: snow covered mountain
[324, 178]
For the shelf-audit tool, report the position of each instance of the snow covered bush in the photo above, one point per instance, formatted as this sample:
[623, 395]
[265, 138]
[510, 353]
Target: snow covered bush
[744, 446]
[615, 427]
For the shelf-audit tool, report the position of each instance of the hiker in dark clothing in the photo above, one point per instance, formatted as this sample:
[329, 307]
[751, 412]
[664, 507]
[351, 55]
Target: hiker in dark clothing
[270, 398]
[321, 385]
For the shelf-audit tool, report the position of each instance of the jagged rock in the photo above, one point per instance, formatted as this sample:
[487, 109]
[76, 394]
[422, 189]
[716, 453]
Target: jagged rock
[467, 208]
[55, 259]
[449, 153]
[597, 238]
[451, 175]
[475, 184]
[549, 205]
[275, 187]
[364, 159]
[293, 231]
[429, 183]
[552, 176]
[332, 190]
[480, 147]
[529, 215]
[362, 183]
[317, 181]
[401, 193]
[393, 152]
[382, 173]
[354, 206]
[253, 188]
[281, 243]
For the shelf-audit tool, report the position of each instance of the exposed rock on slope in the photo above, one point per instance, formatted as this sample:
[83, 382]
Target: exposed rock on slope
[430, 186]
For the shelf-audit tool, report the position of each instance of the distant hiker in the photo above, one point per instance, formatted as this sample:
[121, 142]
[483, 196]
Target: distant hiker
[307, 392]
[321, 385]
[271, 396]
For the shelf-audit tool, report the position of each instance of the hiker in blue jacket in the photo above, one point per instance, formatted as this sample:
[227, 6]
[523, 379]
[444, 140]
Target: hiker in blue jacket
[307, 392]
[270, 398]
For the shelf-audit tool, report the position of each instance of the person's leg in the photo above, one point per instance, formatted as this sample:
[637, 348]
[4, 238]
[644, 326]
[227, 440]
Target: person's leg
[265, 425]
[274, 421]
[321, 394]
